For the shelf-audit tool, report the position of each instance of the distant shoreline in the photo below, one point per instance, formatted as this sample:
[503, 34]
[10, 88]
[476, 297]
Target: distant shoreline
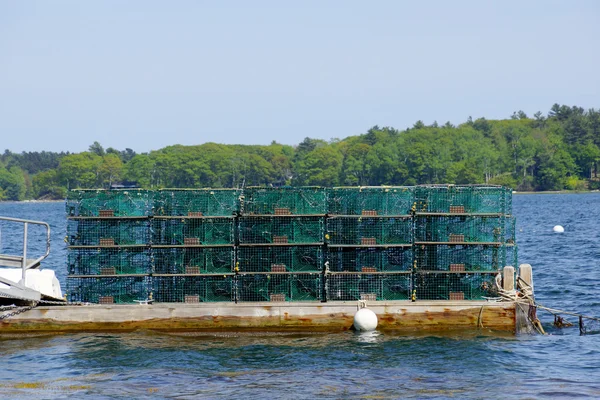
[558, 192]
[514, 192]
[31, 201]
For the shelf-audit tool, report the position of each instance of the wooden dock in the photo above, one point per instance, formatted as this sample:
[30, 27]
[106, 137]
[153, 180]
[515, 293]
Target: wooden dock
[403, 315]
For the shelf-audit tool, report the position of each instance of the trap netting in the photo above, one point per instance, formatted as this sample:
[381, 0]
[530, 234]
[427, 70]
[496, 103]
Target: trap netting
[193, 289]
[284, 201]
[109, 203]
[109, 290]
[463, 199]
[193, 260]
[374, 259]
[108, 232]
[109, 261]
[369, 230]
[461, 257]
[197, 202]
[278, 287]
[464, 228]
[280, 259]
[281, 230]
[370, 201]
[455, 285]
[193, 231]
[368, 286]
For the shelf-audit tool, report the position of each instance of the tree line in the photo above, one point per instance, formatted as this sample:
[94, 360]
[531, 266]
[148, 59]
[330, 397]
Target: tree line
[560, 150]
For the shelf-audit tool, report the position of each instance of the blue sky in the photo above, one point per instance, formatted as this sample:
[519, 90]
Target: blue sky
[148, 74]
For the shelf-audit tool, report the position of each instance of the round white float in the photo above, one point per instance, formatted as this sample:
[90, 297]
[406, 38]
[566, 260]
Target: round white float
[365, 320]
[558, 229]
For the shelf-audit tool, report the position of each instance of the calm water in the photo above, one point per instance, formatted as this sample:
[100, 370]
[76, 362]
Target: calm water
[342, 365]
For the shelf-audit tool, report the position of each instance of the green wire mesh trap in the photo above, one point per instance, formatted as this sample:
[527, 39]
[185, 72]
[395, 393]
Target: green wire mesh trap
[281, 230]
[193, 289]
[193, 260]
[370, 201]
[455, 285]
[193, 231]
[377, 259]
[280, 259]
[284, 201]
[279, 287]
[368, 286]
[109, 290]
[463, 199]
[108, 232]
[110, 203]
[464, 257]
[109, 261]
[197, 202]
[465, 228]
[369, 230]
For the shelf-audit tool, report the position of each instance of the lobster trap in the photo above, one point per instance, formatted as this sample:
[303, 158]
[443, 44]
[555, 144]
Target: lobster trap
[369, 230]
[108, 231]
[465, 228]
[193, 260]
[277, 287]
[197, 202]
[373, 259]
[280, 258]
[368, 286]
[463, 199]
[193, 289]
[109, 203]
[284, 201]
[109, 290]
[190, 231]
[281, 230]
[109, 261]
[455, 285]
[464, 258]
[370, 201]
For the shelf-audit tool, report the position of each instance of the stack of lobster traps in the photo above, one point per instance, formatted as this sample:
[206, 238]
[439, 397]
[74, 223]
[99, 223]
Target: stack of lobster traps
[280, 253]
[369, 242]
[431, 242]
[464, 236]
[193, 245]
[108, 236]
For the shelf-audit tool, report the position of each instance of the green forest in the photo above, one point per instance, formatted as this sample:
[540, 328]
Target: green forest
[556, 151]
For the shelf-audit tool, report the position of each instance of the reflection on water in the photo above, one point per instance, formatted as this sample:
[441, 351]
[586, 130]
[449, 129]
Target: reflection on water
[368, 337]
[374, 365]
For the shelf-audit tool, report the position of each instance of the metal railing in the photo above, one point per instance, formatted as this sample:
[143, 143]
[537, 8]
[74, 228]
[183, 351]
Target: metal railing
[15, 260]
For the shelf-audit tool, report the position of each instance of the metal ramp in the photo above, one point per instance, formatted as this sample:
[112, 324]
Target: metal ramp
[8, 261]
[15, 287]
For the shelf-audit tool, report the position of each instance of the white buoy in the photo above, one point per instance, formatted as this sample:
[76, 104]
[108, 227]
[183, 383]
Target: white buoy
[558, 229]
[365, 320]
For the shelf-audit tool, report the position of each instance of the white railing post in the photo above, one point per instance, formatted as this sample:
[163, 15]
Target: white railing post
[24, 261]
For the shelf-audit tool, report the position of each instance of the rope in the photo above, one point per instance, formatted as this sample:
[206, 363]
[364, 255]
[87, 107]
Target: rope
[523, 296]
[554, 311]
[479, 321]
